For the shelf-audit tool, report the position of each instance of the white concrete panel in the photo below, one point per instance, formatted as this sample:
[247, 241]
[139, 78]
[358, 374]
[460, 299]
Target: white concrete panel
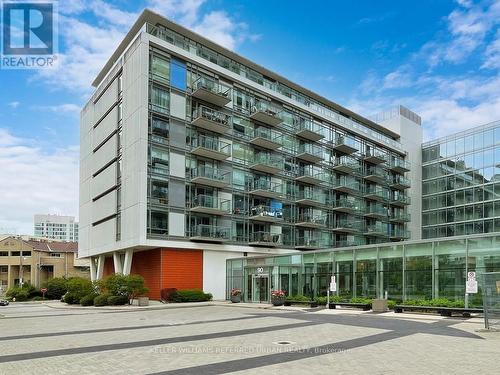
[105, 154]
[106, 100]
[105, 127]
[177, 165]
[103, 234]
[83, 241]
[178, 105]
[176, 224]
[104, 180]
[104, 206]
[214, 272]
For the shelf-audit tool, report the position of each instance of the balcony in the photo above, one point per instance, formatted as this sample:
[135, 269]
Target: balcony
[310, 152]
[267, 163]
[159, 166]
[347, 226]
[377, 193]
[266, 138]
[266, 214]
[265, 188]
[400, 234]
[375, 156]
[401, 183]
[348, 206]
[208, 204]
[211, 91]
[351, 242]
[306, 243]
[377, 230]
[310, 130]
[266, 113]
[310, 198]
[376, 175]
[309, 220]
[209, 119]
[208, 176]
[346, 164]
[376, 211]
[400, 165]
[400, 200]
[400, 217]
[347, 185]
[211, 148]
[210, 233]
[313, 175]
[346, 145]
[265, 239]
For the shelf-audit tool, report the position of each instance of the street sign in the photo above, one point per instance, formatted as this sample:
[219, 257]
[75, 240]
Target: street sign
[471, 286]
[333, 287]
[471, 275]
[260, 269]
[43, 290]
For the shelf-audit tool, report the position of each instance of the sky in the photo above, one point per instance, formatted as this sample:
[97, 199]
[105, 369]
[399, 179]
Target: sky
[440, 58]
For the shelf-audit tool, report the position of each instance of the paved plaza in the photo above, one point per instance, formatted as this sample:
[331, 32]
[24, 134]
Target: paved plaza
[222, 339]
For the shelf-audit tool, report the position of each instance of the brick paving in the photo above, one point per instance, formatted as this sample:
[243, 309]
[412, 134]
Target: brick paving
[35, 338]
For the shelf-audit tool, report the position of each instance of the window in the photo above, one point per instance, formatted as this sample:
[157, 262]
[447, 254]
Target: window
[26, 253]
[178, 74]
[160, 67]
[160, 99]
[4, 253]
[4, 269]
[55, 255]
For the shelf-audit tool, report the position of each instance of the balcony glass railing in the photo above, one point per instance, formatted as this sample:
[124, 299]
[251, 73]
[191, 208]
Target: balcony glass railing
[212, 144]
[400, 198]
[265, 107]
[312, 242]
[347, 162]
[314, 172]
[376, 209]
[348, 183]
[348, 224]
[350, 242]
[309, 125]
[266, 212]
[211, 232]
[400, 180]
[311, 149]
[377, 172]
[263, 184]
[377, 228]
[378, 192]
[350, 204]
[400, 216]
[266, 133]
[399, 163]
[274, 161]
[309, 217]
[344, 140]
[311, 195]
[265, 238]
[376, 153]
[216, 174]
[209, 201]
[212, 86]
[400, 233]
[210, 114]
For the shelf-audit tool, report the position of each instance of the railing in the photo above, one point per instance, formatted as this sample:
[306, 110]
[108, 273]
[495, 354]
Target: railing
[400, 163]
[400, 233]
[263, 184]
[345, 140]
[312, 242]
[307, 217]
[352, 204]
[377, 172]
[352, 242]
[402, 216]
[159, 166]
[347, 161]
[400, 180]
[212, 86]
[400, 198]
[211, 231]
[378, 228]
[378, 191]
[304, 124]
[309, 148]
[266, 211]
[211, 144]
[208, 201]
[377, 154]
[266, 107]
[349, 183]
[348, 224]
[211, 173]
[377, 210]
[311, 195]
[315, 172]
[265, 237]
[269, 134]
[268, 159]
[210, 114]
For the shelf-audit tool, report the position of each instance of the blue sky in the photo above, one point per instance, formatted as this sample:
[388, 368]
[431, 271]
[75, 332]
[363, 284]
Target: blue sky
[439, 58]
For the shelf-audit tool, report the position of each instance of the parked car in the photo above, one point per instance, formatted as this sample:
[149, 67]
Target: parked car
[3, 302]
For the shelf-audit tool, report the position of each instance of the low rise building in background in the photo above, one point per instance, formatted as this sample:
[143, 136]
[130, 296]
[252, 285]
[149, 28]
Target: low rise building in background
[56, 227]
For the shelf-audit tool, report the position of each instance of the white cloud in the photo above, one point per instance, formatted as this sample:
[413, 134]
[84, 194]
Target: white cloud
[44, 182]
[14, 104]
[492, 54]
[68, 108]
[184, 11]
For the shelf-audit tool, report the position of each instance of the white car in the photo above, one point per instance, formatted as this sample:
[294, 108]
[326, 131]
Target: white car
[4, 302]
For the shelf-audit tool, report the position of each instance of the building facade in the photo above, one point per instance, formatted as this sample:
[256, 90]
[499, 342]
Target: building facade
[56, 227]
[191, 154]
[36, 262]
[461, 183]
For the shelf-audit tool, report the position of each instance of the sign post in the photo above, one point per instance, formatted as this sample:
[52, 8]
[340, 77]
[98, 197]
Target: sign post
[43, 290]
[470, 286]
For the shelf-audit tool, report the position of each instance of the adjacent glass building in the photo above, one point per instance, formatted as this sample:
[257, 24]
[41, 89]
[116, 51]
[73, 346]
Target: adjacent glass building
[461, 183]
[421, 269]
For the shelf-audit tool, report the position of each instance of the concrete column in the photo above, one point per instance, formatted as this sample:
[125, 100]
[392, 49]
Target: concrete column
[8, 277]
[127, 263]
[117, 260]
[100, 266]
[93, 269]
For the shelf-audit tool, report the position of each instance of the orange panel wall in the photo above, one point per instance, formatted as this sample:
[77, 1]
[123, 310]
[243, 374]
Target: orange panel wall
[148, 265]
[182, 269]
[109, 267]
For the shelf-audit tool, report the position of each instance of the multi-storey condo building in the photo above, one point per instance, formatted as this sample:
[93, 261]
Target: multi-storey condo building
[192, 154]
[460, 186]
[57, 227]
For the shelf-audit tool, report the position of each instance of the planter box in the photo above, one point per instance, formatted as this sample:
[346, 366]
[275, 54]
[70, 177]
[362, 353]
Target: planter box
[143, 301]
[379, 305]
[236, 299]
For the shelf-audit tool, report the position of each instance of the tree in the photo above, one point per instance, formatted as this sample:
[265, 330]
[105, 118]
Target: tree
[131, 286]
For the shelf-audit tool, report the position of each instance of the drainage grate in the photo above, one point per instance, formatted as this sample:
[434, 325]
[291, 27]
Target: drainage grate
[283, 342]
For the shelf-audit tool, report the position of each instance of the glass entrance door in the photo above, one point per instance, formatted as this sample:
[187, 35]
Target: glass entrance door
[260, 288]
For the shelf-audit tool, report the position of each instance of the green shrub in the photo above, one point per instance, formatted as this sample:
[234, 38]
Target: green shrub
[57, 287]
[298, 297]
[191, 295]
[391, 303]
[336, 299]
[78, 287]
[130, 286]
[321, 300]
[101, 300]
[20, 294]
[37, 298]
[360, 300]
[88, 300]
[118, 300]
[436, 302]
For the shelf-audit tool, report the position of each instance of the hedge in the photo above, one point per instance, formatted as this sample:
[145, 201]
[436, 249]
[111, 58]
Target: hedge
[101, 300]
[191, 295]
[118, 300]
[88, 300]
